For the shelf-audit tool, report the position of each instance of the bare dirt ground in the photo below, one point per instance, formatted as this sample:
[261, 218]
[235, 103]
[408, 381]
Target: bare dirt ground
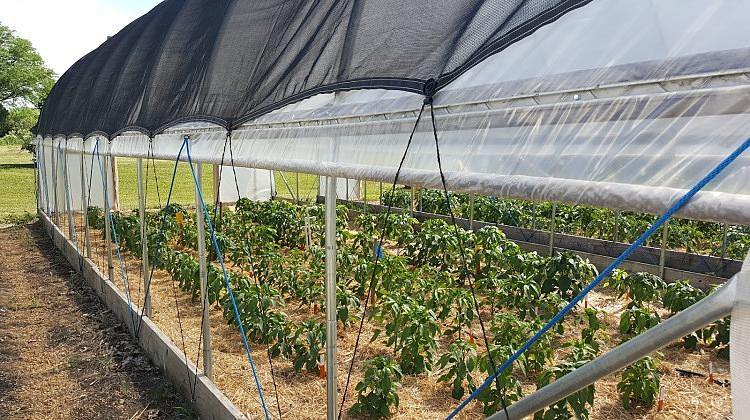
[63, 355]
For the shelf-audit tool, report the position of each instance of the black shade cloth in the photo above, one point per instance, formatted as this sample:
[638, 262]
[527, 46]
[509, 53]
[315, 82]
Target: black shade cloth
[229, 61]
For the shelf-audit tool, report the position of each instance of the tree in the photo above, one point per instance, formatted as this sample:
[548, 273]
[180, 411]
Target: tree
[24, 79]
[25, 82]
[15, 128]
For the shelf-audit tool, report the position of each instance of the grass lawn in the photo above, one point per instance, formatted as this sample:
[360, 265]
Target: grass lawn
[182, 193]
[17, 197]
[17, 189]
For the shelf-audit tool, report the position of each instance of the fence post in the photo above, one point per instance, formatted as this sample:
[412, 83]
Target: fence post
[725, 232]
[331, 384]
[552, 231]
[108, 220]
[203, 272]
[663, 254]
[471, 212]
[144, 241]
[115, 182]
[84, 205]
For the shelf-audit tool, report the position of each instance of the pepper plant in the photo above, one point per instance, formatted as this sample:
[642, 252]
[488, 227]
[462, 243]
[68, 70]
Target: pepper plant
[639, 383]
[461, 361]
[377, 391]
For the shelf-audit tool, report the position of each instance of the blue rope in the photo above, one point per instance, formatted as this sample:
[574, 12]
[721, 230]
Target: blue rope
[616, 263]
[226, 280]
[113, 231]
[162, 224]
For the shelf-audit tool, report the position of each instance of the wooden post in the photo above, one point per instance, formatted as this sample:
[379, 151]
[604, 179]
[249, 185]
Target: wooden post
[471, 212]
[725, 232]
[144, 241]
[552, 231]
[115, 183]
[107, 222]
[208, 368]
[84, 205]
[663, 255]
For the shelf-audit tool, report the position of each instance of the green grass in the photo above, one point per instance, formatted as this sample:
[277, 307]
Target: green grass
[18, 203]
[17, 199]
[308, 186]
[182, 193]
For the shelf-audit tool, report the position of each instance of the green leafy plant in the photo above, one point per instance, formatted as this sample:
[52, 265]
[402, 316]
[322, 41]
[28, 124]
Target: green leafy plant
[636, 320]
[377, 391]
[310, 339]
[578, 404]
[639, 383]
[506, 389]
[640, 287]
[461, 361]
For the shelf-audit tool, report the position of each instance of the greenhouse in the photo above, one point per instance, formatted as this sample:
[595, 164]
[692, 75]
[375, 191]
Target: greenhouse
[418, 209]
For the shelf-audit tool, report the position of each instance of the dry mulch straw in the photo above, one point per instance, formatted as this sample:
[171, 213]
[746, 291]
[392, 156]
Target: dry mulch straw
[63, 354]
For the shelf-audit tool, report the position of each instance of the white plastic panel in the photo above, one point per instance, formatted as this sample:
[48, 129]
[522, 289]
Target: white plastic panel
[255, 184]
[346, 189]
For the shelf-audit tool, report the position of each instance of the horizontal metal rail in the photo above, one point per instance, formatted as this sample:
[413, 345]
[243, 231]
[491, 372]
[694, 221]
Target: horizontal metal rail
[714, 307]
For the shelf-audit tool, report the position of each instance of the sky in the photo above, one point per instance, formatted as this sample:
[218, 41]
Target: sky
[65, 30]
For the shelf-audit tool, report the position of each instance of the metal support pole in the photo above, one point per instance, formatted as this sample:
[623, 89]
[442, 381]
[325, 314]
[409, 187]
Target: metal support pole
[115, 183]
[68, 204]
[271, 180]
[107, 222]
[715, 306]
[55, 207]
[331, 384]
[364, 195]
[552, 231]
[84, 206]
[725, 232]
[144, 240]
[347, 188]
[663, 254]
[380, 196]
[208, 362]
[471, 211]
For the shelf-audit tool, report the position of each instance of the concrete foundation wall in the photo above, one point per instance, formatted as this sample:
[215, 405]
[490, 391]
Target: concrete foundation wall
[210, 403]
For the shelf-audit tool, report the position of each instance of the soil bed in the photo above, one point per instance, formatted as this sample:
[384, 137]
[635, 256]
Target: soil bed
[63, 354]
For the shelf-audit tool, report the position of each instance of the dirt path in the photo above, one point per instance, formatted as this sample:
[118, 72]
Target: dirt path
[63, 355]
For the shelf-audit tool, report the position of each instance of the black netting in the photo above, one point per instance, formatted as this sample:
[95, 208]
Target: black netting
[230, 61]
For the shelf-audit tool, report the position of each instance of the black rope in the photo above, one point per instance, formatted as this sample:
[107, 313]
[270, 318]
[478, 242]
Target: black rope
[255, 279]
[385, 225]
[466, 271]
[234, 170]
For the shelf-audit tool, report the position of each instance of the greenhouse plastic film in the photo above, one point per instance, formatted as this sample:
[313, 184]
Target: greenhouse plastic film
[739, 338]
[616, 104]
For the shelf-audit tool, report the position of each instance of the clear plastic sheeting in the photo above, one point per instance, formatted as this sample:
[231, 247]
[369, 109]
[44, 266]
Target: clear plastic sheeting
[68, 161]
[617, 104]
[346, 189]
[255, 184]
[739, 357]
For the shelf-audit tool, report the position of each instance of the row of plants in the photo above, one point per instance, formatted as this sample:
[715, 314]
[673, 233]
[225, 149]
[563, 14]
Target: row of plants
[422, 307]
[601, 223]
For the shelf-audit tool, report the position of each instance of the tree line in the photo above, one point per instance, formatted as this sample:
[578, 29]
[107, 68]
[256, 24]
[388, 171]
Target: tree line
[25, 82]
